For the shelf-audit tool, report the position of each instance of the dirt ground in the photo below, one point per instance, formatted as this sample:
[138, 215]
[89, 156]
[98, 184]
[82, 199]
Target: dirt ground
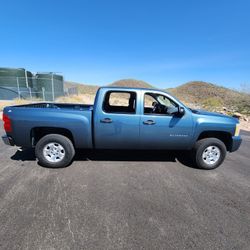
[245, 125]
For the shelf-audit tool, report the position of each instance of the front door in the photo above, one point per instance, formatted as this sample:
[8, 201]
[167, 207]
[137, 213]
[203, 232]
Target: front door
[162, 129]
[116, 124]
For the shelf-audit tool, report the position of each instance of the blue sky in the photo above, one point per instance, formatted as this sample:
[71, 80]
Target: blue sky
[163, 42]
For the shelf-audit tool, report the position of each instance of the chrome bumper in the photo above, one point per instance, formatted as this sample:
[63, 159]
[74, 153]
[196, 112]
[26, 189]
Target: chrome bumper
[8, 140]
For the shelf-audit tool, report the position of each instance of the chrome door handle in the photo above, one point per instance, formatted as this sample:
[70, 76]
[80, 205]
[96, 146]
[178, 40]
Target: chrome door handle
[149, 122]
[106, 120]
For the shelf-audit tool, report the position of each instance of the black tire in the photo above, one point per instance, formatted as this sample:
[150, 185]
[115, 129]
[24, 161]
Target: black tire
[66, 148]
[201, 146]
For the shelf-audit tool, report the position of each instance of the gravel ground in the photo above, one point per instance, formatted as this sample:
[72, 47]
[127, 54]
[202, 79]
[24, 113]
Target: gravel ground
[124, 200]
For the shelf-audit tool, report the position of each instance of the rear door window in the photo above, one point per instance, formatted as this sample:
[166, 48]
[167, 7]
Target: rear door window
[120, 102]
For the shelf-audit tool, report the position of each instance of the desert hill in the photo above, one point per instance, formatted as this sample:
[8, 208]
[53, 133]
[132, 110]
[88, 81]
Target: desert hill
[195, 94]
[212, 96]
[81, 87]
[131, 83]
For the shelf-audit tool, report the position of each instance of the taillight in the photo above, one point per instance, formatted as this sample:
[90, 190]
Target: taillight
[7, 123]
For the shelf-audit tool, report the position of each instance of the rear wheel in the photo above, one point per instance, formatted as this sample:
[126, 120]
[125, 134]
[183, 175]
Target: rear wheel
[209, 153]
[54, 151]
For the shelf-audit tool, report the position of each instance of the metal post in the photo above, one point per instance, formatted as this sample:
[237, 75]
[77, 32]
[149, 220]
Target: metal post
[18, 88]
[26, 78]
[43, 94]
[30, 93]
[53, 90]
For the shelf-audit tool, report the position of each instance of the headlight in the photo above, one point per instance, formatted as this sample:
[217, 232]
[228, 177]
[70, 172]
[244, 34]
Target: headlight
[237, 130]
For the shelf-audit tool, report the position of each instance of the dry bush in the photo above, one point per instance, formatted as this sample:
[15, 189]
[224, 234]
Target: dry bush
[4, 104]
[212, 103]
[17, 102]
[82, 99]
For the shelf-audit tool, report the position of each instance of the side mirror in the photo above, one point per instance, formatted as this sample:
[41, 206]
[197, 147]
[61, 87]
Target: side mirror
[173, 110]
[181, 111]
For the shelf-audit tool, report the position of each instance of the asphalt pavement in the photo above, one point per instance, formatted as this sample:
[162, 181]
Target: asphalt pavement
[124, 200]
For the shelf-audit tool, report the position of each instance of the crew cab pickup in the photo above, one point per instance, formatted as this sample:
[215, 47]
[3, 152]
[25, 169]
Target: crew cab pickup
[121, 118]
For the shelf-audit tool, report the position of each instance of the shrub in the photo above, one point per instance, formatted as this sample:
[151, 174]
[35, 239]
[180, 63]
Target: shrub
[212, 103]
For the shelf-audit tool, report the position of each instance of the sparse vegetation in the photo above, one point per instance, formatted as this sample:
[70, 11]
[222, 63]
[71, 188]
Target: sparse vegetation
[242, 105]
[212, 103]
[211, 96]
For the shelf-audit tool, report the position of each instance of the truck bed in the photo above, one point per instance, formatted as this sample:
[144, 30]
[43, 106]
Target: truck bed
[74, 118]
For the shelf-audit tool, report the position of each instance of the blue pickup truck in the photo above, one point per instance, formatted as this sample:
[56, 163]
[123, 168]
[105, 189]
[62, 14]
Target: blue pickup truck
[121, 118]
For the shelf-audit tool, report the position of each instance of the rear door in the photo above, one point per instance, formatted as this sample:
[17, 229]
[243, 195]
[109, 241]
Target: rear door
[116, 120]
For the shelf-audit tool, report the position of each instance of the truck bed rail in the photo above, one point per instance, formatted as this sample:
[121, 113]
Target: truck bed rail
[56, 106]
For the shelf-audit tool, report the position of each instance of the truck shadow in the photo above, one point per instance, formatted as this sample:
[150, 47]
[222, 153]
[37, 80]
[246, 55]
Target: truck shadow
[118, 155]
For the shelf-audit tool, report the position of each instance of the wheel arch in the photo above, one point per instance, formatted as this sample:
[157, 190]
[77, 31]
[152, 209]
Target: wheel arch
[37, 133]
[223, 136]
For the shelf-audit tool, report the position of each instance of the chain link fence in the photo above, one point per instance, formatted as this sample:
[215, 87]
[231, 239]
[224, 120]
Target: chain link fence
[34, 88]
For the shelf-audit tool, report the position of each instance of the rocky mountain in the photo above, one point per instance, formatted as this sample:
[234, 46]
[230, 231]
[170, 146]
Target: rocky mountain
[212, 96]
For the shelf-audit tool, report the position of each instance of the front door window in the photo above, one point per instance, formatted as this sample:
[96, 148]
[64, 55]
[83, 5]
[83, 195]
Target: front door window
[157, 104]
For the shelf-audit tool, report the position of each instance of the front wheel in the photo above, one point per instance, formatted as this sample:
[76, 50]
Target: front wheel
[54, 151]
[209, 153]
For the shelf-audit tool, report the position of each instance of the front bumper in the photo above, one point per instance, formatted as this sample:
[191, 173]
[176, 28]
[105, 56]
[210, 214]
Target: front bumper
[236, 142]
[8, 140]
